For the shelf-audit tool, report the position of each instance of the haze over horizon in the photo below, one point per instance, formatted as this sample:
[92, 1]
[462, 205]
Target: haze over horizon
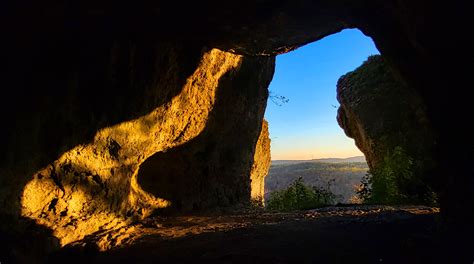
[343, 158]
[305, 127]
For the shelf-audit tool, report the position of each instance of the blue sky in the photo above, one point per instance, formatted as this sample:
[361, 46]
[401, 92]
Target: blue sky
[306, 126]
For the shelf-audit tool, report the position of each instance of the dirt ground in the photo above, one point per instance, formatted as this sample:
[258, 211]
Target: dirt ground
[351, 234]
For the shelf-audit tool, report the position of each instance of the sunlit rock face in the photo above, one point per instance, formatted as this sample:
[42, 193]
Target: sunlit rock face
[78, 88]
[214, 168]
[215, 117]
[94, 185]
[382, 114]
[261, 165]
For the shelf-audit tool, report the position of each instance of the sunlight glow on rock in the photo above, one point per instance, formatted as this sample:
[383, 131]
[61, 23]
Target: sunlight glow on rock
[94, 187]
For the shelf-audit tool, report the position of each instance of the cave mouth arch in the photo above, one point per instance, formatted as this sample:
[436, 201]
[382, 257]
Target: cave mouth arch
[302, 110]
[373, 108]
[59, 61]
[187, 177]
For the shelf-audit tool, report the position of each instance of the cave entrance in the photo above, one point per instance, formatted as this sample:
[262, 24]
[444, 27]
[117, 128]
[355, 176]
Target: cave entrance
[306, 140]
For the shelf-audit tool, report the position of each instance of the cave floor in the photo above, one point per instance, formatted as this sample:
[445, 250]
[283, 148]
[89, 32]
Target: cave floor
[348, 234]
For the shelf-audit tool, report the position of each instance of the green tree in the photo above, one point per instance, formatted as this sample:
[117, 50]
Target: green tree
[395, 181]
[299, 196]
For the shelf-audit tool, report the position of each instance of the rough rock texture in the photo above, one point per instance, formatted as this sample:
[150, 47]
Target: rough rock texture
[213, 169]
[73, 100]
[96, 185]
[381, 113]
[146, 241]
[76, 68]
[261, 165]
[98, 181]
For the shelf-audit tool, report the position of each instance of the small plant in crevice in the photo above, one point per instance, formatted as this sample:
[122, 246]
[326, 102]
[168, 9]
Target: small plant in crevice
[299, 196]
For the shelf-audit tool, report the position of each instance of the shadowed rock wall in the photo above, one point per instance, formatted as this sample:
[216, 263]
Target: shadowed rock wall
[95, 185]
[381, 114]
[214, 169]
[210, 104]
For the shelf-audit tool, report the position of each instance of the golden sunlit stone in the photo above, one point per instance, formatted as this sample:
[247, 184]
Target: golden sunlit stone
[93, 186]
[261, 165]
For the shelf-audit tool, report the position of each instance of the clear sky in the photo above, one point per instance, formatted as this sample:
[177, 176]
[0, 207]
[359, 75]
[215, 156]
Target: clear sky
[306, 126]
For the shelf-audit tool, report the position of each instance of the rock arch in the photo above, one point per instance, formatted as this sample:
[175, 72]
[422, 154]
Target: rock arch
[73, 70]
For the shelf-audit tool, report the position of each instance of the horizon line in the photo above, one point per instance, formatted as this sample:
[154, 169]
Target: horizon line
[319, 158]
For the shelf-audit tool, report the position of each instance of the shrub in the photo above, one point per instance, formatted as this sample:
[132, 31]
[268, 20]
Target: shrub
[395, 181]
[299, 196]
[364, 189]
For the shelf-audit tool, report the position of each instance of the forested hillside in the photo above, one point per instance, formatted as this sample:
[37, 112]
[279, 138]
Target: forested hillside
[340, 177]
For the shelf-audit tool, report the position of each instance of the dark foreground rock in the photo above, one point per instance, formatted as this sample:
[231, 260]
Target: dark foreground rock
[361, 234]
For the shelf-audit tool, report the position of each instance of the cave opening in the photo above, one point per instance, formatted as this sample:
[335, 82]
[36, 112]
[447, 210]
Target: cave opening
[306, 139]
[176, 120]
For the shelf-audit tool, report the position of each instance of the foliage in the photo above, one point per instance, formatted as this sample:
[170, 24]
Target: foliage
[277, 99]
[395, 181]
[299, 196]
[364, 189]
[341, 176]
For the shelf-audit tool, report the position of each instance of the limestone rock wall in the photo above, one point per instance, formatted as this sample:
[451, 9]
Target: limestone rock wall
[381, 113]
[208, 127]
[261, 165]
[64, 96]
[214, 168]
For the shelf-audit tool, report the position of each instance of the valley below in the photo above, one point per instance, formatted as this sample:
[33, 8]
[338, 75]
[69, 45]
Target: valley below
[340, 176]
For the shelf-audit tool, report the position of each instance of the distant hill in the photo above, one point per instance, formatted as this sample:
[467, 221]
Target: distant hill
[340, 175]
[325, 160]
